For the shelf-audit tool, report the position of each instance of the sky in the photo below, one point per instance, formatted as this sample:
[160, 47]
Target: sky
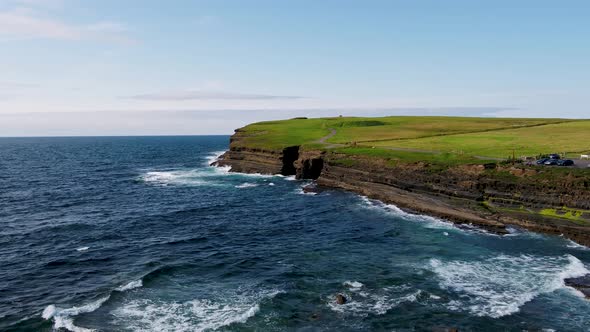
[189, 67]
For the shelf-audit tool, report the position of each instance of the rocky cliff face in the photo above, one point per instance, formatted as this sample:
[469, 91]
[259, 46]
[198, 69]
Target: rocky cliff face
[489, 197]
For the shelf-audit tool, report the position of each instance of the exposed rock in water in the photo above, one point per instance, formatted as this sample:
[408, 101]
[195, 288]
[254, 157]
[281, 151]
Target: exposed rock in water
[581, 283]
[341, 299]
[311, 188]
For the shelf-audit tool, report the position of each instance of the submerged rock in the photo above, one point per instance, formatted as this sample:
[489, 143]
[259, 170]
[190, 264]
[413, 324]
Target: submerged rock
[311, 188]
[581, 283]
[341, 299]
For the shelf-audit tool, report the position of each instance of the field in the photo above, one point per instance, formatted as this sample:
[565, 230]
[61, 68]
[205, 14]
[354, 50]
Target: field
[437, 139]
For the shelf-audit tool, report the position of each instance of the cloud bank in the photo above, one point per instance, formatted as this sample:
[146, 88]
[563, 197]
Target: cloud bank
[28, 23]
[209, 95]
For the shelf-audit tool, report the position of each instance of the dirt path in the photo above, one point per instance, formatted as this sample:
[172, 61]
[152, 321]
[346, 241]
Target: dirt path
[327, 137]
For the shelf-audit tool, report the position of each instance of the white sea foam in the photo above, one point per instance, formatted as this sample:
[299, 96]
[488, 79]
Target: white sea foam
[195, 315]
[354, 285]
[49, 312]
[500, 285]
[271, 184]
[64, 318]
[246, 185]
[428, 221]
[203, 176]
[193, 177]
[300, 191]
[362, 301]
[519, 232]
[574, 245]
[213, 157]
[130, 285]
[82, 249]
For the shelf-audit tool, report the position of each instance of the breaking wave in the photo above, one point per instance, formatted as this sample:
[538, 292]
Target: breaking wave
[429, 222]
[213, 157]
[574, 245]
[193, 177]
[500, 285]
[363, 301]
[194, 315]
[132, 285]
[246, 185]
[64, 318]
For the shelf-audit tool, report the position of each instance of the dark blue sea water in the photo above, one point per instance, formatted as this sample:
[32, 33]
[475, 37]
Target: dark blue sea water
[139, 234]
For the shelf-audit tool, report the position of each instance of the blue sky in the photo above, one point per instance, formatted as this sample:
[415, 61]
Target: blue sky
[76, 67]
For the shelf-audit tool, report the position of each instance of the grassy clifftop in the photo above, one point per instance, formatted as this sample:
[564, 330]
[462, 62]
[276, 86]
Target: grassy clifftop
[434, 139]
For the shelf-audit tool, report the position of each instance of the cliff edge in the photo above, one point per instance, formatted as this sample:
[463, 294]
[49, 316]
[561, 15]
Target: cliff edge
[491, 195]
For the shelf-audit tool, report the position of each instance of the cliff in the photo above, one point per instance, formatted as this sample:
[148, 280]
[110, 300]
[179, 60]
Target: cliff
[491, 196]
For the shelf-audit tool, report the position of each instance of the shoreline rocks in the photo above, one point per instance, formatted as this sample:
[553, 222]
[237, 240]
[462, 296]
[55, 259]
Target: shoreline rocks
[580, 283]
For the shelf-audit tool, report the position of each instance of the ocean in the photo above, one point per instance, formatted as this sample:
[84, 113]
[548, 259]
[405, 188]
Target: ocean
[140, 234]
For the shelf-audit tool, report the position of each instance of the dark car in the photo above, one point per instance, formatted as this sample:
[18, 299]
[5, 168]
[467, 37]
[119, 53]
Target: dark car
[565, 162]
[542, 161]
[551, 162]
[554, 156]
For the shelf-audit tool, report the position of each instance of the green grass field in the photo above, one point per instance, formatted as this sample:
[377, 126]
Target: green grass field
[437, 139]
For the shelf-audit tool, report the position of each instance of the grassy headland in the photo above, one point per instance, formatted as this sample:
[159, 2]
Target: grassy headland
[446, 140]
[457, 168]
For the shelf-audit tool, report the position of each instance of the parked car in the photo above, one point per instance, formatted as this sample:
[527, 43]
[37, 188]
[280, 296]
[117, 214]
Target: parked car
[551, 162]
[565, 162]
[554, 156]
[542, 161]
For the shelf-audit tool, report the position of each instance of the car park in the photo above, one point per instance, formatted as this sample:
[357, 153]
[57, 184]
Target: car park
[565, 162]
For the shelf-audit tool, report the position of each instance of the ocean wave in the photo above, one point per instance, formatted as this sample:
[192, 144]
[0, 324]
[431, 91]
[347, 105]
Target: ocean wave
[354, 285]
[246, 185]
[193, 177]
[500, 285]
[428, 221]
[425, 220]
[574, 245]
[82, 249]
[300, 191]
[363, 302]
[213, 157]
[194, 315]
[207, 176]
[64, 318]
[131, 285]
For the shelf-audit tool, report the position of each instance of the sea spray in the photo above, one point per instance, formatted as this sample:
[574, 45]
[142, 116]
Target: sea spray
[500, 285]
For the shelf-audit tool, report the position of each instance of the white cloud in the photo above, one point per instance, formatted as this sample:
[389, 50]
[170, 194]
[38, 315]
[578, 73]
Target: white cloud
[54, 4]
[27, 23]
[17, 85]
[202, 95]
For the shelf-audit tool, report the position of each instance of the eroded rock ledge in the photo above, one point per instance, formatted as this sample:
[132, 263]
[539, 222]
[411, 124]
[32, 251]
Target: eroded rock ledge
[467, 194]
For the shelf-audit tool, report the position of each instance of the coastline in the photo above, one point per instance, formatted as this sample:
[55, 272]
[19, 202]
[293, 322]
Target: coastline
[466, 194]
